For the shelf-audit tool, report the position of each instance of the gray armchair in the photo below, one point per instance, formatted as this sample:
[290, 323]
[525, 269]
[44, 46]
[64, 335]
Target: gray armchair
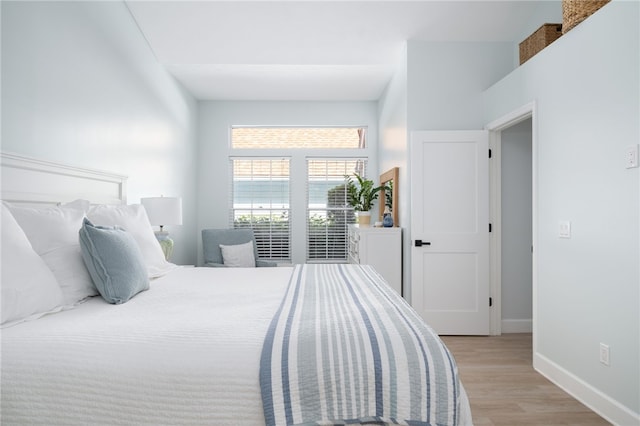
[212, 238]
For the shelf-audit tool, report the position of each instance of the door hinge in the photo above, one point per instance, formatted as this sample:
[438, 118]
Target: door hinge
[489, 153]
[490, 228]
[490, 302]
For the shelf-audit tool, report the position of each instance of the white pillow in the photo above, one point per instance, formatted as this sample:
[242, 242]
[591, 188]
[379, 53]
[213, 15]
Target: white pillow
[79, 204]
[29, 289]
[133, 218]
[239, 255]
[53, 233]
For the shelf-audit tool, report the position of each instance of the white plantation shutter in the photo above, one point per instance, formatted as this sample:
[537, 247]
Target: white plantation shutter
[328, 211]
[260, 200]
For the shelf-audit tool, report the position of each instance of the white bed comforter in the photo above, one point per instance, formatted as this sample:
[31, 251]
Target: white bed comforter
[186, 351]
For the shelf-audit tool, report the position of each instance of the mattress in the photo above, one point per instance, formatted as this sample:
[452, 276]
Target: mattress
[187, 351]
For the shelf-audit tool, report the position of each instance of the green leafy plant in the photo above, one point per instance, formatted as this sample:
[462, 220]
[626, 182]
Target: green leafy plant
[361, 192]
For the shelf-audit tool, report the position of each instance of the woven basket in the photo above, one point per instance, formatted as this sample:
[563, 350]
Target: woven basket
[541, 38]
[576, 11]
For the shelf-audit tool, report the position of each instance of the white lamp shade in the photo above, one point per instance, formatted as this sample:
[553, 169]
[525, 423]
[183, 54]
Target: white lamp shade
[163, 210]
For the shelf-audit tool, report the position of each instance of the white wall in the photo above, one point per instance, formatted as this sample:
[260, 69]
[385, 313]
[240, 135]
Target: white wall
[81, 87]
[516, 274]
[215, 121]
[393, 148]
[446, 81]
[586, 88]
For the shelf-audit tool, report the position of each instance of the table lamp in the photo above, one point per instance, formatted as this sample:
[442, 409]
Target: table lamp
[164, 211]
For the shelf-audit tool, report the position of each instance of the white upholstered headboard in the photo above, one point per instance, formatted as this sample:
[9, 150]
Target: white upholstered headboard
[31, 181]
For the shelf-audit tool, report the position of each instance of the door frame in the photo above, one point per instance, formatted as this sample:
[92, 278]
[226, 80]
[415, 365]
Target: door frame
[495, 129]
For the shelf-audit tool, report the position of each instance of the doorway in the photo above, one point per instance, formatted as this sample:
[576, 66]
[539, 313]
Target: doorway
[513, 211]
[516, 212]
[525, 317]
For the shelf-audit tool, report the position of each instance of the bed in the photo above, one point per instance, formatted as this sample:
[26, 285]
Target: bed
[306, 344]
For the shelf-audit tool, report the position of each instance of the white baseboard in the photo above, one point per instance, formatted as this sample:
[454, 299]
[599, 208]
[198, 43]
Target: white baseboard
[517, 326]
[605, 406]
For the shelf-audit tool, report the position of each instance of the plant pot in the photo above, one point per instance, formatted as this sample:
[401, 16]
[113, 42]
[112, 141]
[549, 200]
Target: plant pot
[364, 218]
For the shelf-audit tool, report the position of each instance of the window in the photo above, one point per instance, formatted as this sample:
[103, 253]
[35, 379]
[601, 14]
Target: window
[260, 200]
[328, 212]
[288, 185]
[297, 137]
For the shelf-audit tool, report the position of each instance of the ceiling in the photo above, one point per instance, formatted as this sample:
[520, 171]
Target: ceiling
[315, 50]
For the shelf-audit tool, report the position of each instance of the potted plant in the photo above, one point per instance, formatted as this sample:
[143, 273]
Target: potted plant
[361, 193]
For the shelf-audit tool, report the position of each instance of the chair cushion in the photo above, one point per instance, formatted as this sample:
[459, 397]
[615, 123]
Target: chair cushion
[213, 238]
[238, 255]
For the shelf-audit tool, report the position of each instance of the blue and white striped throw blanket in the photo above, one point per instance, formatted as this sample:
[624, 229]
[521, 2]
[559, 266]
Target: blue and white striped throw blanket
[344, 348]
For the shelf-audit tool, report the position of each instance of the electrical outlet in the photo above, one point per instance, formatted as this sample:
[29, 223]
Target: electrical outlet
[604, 354]
[631, 157]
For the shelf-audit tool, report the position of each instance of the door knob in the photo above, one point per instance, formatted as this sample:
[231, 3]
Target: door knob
[420, 243]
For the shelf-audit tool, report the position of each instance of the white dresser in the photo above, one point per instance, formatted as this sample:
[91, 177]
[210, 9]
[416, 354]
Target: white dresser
[380, 248]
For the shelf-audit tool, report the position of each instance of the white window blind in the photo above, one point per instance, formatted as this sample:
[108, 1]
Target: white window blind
[328, 212]
[260, 200]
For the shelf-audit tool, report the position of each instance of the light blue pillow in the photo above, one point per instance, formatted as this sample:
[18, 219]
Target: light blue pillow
[114, 261]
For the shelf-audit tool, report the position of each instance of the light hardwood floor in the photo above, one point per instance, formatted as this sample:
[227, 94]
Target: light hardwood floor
[504, 389]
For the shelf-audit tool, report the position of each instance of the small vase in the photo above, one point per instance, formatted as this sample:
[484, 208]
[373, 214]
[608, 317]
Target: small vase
[387, 220]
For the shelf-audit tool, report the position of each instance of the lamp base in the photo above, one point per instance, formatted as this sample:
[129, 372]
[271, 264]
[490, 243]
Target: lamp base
[166, 243]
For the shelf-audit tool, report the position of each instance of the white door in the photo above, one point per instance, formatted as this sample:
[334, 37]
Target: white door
[450, 230]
